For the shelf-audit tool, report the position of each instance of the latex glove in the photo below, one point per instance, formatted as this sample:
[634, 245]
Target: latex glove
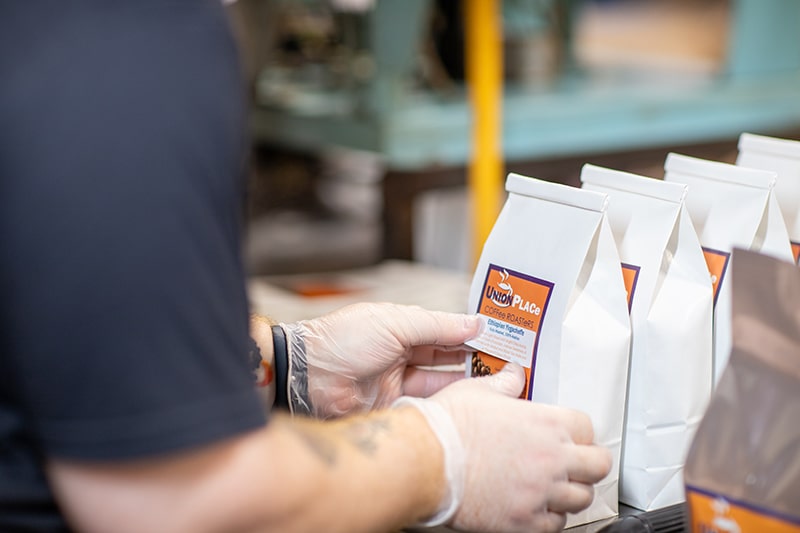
[366, 355]
[512, 465]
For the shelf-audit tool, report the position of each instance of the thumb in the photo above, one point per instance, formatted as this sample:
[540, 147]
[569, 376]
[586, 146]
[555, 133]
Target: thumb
[509, 381]
[414, 326]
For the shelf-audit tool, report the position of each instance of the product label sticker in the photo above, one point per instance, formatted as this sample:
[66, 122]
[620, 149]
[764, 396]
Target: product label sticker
[717, 262]
[630, 275]
[796, 252]
[714, 513]
[512, 307]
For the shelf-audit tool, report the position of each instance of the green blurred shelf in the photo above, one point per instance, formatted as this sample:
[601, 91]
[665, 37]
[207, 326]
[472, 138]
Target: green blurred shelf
[758, 91]
[423, 131]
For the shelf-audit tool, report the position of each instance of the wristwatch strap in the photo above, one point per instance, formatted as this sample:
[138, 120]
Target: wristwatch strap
[281, 366]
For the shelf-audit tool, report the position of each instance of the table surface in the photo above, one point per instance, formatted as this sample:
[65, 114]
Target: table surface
[592, 527]
[290, 298]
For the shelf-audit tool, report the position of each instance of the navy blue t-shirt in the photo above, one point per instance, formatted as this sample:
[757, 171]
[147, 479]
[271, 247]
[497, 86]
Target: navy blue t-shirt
[123, 314]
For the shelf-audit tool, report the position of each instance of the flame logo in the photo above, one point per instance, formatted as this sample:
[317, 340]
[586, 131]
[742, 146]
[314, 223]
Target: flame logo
[503, 283]
[501, 296]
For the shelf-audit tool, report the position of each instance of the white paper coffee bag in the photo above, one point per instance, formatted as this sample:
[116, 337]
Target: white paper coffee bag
[550, 290]
[730, 206]
[781, 156]
[671, 304]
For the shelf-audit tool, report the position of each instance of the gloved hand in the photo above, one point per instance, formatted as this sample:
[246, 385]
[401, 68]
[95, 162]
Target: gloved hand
[366, 355]
[512, 465]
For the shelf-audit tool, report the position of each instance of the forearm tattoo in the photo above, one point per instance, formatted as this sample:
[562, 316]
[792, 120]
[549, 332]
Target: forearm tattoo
[320, 445]
[363, 434]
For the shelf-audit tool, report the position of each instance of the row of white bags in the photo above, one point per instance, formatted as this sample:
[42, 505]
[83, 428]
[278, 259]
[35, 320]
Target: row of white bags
[638, 348]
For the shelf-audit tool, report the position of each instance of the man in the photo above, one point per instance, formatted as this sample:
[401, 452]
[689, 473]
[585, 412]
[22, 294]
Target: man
[126, 401]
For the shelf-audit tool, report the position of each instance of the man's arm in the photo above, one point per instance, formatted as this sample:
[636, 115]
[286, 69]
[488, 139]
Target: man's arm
[510, 466]
[368, 473]
[265, 374]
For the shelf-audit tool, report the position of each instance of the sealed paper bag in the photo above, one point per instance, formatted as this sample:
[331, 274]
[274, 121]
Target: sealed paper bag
[549, 288]
[670, 302]
[782, 156]
[743, 470]
[730, 206]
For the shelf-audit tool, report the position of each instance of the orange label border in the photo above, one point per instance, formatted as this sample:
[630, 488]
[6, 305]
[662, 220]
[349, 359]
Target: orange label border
[795, 251]
[632, 290]
[727, 257]
[533, 279]
[750, 508]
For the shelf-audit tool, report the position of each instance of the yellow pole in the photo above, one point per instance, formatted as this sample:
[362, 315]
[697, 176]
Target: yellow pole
[484, 71]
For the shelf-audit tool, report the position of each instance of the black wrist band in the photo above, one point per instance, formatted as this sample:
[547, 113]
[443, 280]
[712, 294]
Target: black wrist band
[281, 359]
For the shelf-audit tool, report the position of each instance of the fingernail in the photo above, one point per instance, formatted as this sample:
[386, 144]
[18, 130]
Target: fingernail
[474, 323]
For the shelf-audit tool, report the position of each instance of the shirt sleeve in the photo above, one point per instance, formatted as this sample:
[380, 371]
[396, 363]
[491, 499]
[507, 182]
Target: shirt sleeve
[124, 312]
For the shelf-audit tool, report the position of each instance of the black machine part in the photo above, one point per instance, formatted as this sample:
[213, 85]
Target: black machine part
[670, 519]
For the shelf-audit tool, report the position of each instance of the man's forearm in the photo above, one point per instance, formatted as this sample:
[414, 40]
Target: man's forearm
[369, 473]
[264, 366]
[386, 468]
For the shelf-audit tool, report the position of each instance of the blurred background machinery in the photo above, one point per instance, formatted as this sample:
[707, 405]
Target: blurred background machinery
[361, 118]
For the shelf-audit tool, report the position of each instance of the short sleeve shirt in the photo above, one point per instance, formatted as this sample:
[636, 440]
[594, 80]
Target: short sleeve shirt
[123, 313]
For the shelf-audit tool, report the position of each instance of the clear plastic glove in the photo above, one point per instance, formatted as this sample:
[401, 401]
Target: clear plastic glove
[523, 465]
[367, 355]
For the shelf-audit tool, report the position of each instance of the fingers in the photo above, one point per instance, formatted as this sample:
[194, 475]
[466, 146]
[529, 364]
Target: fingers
[417, 326]
[422, 383]
[509, 381]
[549, 522]
[577, 423]
[570, 497]
[580, 427]
[435, 356]
[588, 464]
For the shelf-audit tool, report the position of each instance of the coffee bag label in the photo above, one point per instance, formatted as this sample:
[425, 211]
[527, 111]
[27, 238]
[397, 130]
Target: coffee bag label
[714, 513]
[630, 275]
[512, 306]
[796, 252]
[717, 262]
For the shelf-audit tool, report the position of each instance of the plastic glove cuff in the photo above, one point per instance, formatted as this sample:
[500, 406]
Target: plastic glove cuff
[446, 432]
[297, 374]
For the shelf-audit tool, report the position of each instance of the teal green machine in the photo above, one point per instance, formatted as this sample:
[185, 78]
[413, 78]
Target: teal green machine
[420, 130]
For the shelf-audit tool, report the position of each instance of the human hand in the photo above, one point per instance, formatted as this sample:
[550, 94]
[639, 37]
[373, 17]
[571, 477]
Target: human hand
[366, 355]
[525, 465]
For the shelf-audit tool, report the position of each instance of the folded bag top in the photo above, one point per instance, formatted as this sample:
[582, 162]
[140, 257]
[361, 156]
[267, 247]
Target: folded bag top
[731, 207]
